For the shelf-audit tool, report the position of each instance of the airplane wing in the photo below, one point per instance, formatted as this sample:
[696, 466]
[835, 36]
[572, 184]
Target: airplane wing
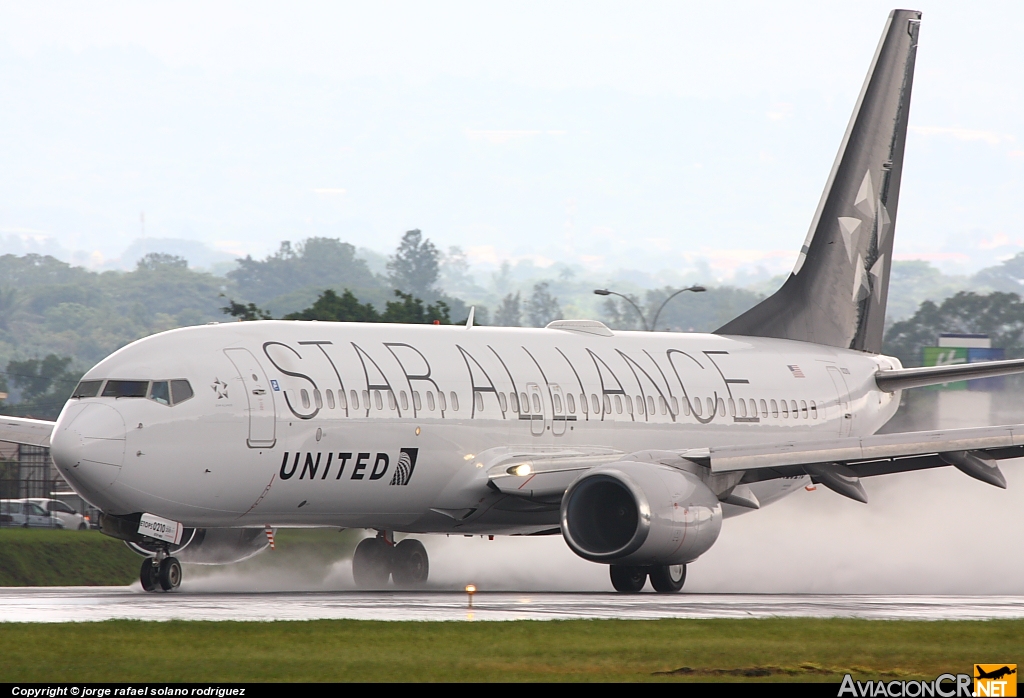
[840, 463]
[31, 432]
[836, 463]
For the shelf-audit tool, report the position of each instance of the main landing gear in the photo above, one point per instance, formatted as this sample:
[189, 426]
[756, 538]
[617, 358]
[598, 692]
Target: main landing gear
[665, 579]
[377, 559]
[160, 573]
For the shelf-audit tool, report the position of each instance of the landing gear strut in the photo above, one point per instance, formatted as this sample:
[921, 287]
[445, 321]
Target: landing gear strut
[377, 559]
[665, 579]
[162, 572]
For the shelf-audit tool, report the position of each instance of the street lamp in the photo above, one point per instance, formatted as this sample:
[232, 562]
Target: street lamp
[649, 328]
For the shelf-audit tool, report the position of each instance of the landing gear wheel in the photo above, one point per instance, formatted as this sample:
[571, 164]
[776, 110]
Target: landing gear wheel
[371, 563]
[628, 579]
[410, 564]
[148, 574]
[170, 574]
[667, 579]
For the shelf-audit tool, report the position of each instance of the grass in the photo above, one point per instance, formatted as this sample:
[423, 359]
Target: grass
[50, 557]
[585, 650]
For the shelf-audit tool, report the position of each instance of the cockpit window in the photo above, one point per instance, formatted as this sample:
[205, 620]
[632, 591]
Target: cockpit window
[87, 389]
[160, 392]
[115, 388]
[180, 391]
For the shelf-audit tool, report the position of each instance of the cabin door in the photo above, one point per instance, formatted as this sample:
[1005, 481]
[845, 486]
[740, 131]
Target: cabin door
[537, 418]
[259, 398]
[842, 400]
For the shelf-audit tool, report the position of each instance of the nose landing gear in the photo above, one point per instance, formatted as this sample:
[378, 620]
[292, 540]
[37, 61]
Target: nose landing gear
[377, 559]
[162, 572]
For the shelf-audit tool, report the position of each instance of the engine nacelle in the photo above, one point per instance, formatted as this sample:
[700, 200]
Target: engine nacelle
[211, 546]
[640, 514]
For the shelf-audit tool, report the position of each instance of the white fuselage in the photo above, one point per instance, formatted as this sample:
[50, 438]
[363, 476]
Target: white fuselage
[384, 426]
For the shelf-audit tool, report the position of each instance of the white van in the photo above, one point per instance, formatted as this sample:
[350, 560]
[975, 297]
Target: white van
[69, 518]
[26, 514]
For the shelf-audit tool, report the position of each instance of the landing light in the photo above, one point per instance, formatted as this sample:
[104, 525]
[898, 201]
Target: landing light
[468, 456]
[521, 470]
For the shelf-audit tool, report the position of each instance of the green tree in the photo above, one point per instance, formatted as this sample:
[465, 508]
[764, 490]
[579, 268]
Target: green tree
[411, 310]
[999, 315]
[246, 312]
[155, 261]
[45, 385]
[330, 307]
[541, 306]
[315, 263]
[509, 313]
[414, 266]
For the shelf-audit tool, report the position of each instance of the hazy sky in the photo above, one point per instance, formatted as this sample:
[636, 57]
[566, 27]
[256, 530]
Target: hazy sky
[603, 134]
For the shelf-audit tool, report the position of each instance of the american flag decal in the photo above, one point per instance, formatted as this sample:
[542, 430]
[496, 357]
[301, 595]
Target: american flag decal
[797, 373]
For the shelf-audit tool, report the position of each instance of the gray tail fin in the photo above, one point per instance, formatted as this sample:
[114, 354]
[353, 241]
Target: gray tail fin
[836, 294]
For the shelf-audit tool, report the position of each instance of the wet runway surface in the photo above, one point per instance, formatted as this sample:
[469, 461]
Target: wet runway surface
[62, 604]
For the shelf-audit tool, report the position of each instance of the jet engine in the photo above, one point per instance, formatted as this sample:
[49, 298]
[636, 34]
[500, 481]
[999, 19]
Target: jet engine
[211, 546]
[641, 514]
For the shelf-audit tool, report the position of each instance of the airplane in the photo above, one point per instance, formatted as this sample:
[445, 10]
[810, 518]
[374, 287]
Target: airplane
[634, 446]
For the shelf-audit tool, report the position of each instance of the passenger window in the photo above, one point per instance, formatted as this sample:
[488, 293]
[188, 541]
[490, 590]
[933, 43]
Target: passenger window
[329, 395]
[524, 403]
[814, 410]
[537, 407]
[650, 405]
[318, 399]
[663, 404]
[570, 402]
[160, 392]
[125, 389]
[354, 398]
[441, 401]
[417, 404]
[378, 401]
[430, 400]
[775, 409]
[455, 401]
[584, 405]
[366, 398]
[392, 404]
[557, 400]
[675, 406]
[304, 395]
[87, 389]
[618, 404]
[753, 408]
[696, 406]
[640, 404]
[721, 407]
[595, 403]
[785, 409]
[764, 408]
[478, 401]
[515, 402]
[404, 400]
[607, 404]
[732, 408]
[502, 402]
[803, 408]
[181, 390]
[341, 399]
[793, 409]
[743, 407]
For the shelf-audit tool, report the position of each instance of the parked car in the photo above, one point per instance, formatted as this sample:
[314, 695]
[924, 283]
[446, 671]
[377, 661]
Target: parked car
[26, 514]
[70, 518]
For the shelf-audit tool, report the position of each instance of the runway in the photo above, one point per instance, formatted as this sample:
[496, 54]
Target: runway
[71, 604]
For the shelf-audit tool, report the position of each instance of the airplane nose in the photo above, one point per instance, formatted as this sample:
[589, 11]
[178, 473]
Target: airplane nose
[89, 448]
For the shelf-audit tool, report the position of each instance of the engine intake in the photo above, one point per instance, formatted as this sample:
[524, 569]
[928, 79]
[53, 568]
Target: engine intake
[640, 514]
